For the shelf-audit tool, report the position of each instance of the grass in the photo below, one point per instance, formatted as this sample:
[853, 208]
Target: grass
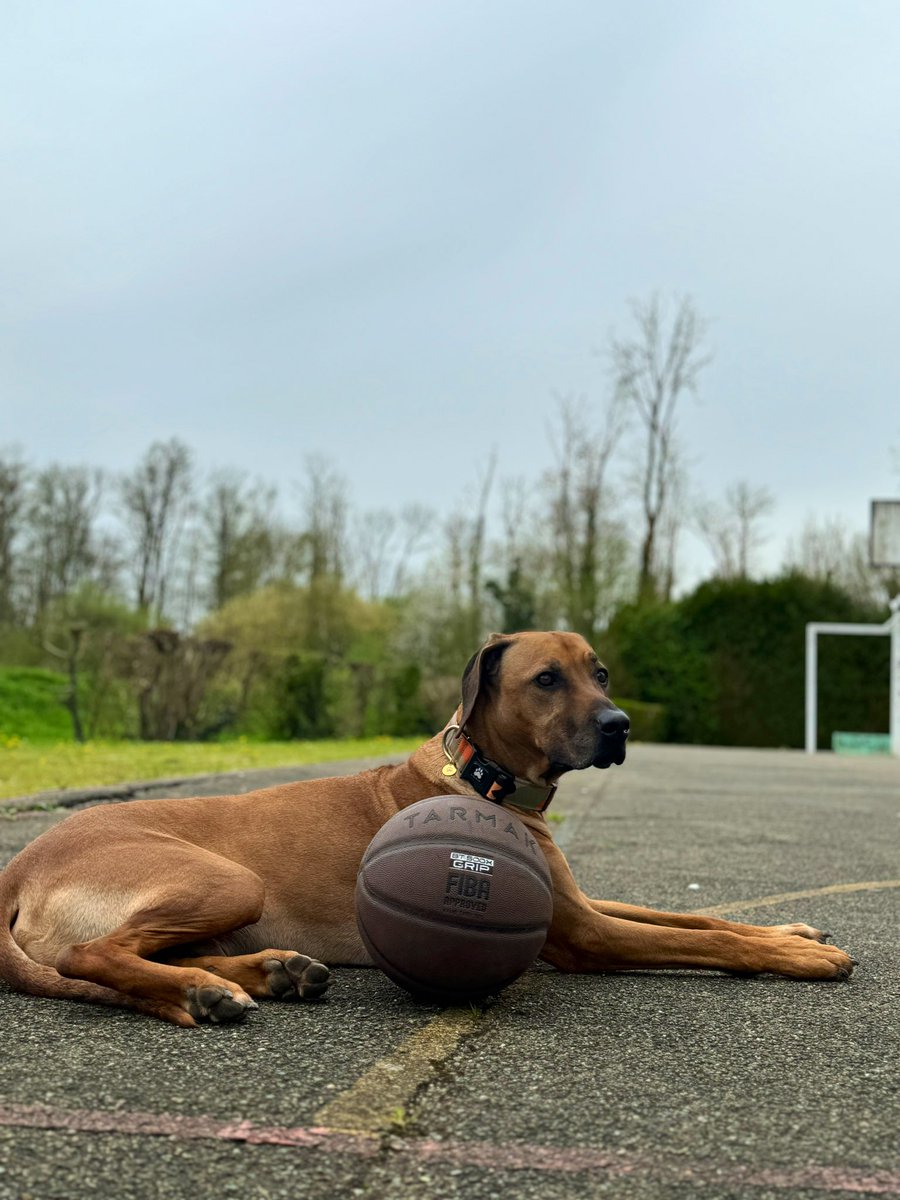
[27, 767]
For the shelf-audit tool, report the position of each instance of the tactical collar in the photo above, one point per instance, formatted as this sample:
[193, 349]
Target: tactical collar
[488, 779]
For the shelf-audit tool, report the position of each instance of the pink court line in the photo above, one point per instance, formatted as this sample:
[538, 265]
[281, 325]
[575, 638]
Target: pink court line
[509, 1156]
[143, 1124]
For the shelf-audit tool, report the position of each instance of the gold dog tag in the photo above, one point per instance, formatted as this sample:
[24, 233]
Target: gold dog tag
[448, 769]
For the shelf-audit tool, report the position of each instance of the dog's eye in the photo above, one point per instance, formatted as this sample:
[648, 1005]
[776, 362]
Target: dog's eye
[602, 676]
[545, 679]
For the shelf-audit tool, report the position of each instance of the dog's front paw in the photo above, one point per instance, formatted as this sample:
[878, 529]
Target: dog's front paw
[800, 930]
[218, 1004]
[296, 975]
[811, 960]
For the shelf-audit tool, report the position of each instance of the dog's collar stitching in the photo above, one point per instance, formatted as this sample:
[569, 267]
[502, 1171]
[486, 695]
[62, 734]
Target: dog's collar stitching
[491, 780]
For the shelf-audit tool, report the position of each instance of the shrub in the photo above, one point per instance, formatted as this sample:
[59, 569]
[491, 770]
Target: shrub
[727, 662]
[302, 706]
[648, 721]
[31, 704]
[652, 658]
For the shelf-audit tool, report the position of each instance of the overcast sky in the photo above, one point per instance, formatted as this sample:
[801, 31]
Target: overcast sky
[389, 232]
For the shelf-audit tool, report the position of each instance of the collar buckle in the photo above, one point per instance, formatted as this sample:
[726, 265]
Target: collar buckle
[488, 778]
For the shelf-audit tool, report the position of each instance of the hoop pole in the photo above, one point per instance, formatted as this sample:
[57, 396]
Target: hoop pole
[812, 684]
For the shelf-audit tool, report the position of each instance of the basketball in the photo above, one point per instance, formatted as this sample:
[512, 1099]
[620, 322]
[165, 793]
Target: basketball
[453, 899]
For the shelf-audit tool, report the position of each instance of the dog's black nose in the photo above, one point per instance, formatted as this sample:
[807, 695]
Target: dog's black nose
[613, 723]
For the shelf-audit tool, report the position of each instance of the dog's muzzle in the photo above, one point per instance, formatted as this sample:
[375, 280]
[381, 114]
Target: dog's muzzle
[613, 727]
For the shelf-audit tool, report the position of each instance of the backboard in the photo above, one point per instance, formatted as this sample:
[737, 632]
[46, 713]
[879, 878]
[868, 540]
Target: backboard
[884, 534]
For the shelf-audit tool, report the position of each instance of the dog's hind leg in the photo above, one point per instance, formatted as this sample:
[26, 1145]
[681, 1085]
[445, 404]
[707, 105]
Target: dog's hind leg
[267, 974]
[199, 895]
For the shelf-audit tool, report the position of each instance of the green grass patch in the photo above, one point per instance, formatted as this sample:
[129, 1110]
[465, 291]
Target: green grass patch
[30, 705]
[27, 767]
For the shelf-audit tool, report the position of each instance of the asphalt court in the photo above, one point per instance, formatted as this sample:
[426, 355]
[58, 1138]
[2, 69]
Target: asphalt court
[641, 1084]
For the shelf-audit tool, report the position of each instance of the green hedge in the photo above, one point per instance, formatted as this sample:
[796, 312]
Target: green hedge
[727, 663]
[30, 705]
[648, 720]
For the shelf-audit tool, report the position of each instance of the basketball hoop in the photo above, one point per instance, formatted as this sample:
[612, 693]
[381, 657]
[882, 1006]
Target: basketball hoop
[884, 534]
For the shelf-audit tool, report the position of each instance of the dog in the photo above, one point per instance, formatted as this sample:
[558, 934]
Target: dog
[191, 910]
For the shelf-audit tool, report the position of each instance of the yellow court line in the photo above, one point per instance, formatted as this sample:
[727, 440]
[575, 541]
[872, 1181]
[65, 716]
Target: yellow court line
[377, 1102]
[834, 889]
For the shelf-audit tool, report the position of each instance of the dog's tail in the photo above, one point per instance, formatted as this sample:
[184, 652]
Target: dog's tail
[23, 974]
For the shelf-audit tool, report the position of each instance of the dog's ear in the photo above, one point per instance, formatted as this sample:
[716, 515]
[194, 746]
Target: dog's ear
[479, 669]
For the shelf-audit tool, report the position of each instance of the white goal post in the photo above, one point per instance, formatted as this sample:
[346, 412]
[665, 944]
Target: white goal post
[884, 551]
[891, 629]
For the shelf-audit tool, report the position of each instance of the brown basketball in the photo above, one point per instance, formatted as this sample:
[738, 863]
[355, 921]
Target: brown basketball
[453, 898]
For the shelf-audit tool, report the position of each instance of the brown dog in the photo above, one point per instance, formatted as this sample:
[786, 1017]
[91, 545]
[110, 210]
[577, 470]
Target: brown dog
[173, 906]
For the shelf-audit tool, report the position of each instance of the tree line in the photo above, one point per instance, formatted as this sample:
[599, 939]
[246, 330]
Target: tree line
[179, 605]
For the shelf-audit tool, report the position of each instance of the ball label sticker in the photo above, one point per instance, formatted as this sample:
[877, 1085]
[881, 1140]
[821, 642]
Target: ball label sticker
[469, 882]
[471, 862]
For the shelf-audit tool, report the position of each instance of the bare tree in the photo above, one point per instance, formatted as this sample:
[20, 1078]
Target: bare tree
[414, 530]
[822, 550]
[12, 503]
[453, 559]
[587, 549]
[520, 559]
[323, 553]
[157, 499]
[185, 592]
[476, 545]
[384, 545]
[516, 495]
[669, 532]
[455, 582]
[829, 550]
[373, 534]
[732, 529]
[71, 655]
[652, 369]
[239, 535]
[60, 549]
[325, 521]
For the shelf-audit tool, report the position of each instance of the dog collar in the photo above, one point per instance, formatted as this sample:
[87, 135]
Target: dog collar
[487, 778]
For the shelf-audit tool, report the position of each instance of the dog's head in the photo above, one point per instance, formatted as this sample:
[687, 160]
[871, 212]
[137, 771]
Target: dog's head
[538, 704]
